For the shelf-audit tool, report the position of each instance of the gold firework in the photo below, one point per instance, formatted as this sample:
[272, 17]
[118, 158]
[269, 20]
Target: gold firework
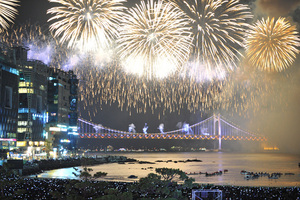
[111, 85]
[218, 28]
[245, 92]
[7, 12]
[87, 24]
[272, 44]
[154, 39]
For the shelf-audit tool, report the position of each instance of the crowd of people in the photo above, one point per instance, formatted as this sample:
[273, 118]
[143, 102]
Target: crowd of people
[15, 187]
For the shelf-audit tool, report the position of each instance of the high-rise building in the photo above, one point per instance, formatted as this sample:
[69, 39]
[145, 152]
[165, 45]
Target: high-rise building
[62, 108]
[9, 78]
[32, 87]
[32, 101]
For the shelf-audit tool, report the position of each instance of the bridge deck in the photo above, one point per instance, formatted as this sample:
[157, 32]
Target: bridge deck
[166, 136]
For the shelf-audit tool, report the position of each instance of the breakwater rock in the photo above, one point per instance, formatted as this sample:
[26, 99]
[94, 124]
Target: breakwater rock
[38, 166]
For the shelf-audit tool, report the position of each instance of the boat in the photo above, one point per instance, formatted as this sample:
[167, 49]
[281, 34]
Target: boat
[132, 176]
[289, 173]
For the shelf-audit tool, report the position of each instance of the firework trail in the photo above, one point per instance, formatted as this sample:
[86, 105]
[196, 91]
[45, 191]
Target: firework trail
[218, 28]
[8, 12]
[272, 45]
[110, 85]
[41, 46]
[154, 39]
[86, 24]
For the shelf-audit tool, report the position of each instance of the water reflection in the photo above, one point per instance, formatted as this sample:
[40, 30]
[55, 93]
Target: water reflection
[212, 162]
[65, 173]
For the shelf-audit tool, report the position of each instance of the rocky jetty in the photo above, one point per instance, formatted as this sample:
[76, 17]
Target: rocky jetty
[36, 166]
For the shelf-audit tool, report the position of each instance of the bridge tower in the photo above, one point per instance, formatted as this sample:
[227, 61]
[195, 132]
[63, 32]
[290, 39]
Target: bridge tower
[217, 120]
[97, 127]
[220, 136]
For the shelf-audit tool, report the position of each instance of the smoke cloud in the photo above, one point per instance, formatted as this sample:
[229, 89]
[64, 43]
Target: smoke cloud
[280, 121]
[279, 116]
[276, 8]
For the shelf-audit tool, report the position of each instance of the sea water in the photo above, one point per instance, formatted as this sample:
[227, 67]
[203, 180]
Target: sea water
[211, 162]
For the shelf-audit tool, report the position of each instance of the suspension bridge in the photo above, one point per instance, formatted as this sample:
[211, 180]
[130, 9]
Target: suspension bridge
[215, 127]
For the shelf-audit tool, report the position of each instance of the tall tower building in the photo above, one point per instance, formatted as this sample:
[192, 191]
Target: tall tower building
[62, 108]
[32, 101]
[32, 87]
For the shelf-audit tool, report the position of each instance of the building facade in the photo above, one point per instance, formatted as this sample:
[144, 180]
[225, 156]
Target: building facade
[9, 78]
[62, 108]
[32, 115]
[32, 101]
[38, 104]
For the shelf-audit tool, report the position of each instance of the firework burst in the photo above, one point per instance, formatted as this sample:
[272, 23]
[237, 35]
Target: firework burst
[218, 28]
[272, 44]
[154, 39]
[87, 24]
[7, 12]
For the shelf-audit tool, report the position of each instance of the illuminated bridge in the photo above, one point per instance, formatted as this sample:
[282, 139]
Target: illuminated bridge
[215, 128]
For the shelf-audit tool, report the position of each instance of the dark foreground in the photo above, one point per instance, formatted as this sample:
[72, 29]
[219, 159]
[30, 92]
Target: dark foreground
[14, 187]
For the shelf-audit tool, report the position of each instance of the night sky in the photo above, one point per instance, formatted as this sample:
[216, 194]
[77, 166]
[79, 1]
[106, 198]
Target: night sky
[35, 10]
[283, 128]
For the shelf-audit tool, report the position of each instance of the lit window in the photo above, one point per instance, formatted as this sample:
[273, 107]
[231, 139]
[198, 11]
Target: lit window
[22, 123]
[25, 91]
[25, 84]
[21, 130]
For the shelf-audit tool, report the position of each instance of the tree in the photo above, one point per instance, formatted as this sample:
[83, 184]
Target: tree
[150, 183]
[170, 174]
[100, 174]
[163, 185]
[86, 175]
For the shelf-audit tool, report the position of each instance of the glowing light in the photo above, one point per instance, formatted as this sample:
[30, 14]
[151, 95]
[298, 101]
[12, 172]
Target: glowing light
[218, 28]
[199, 73]
[86, 24]
[272, 44]
[154, 35]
